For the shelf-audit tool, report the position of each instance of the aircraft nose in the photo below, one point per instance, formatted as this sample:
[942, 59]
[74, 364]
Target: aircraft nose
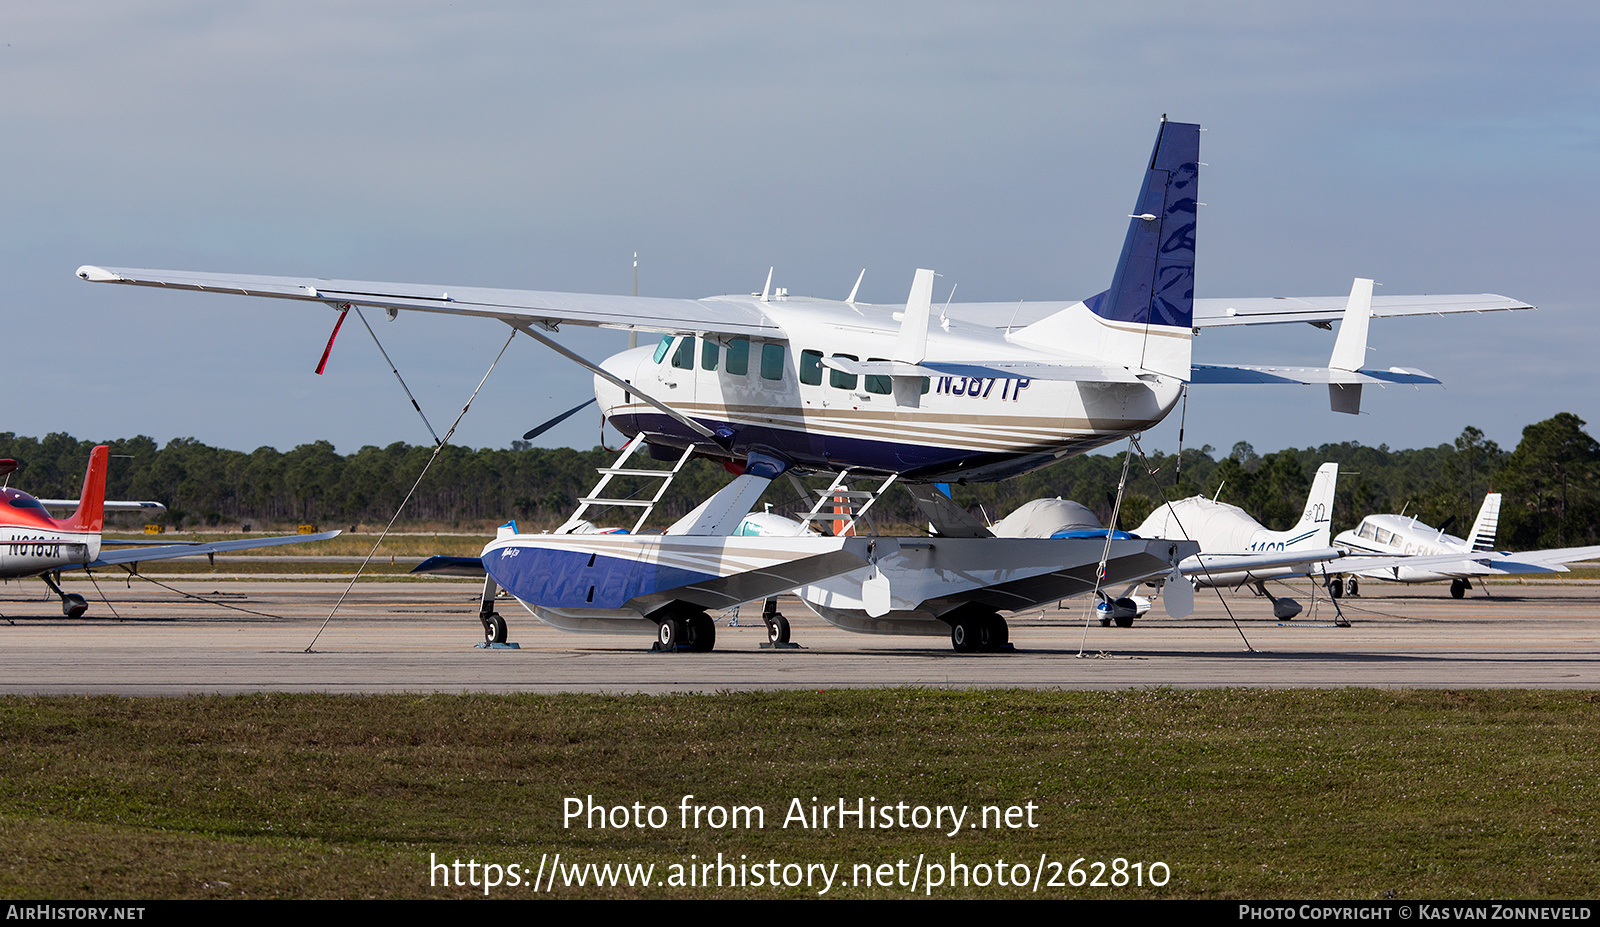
[609, 395]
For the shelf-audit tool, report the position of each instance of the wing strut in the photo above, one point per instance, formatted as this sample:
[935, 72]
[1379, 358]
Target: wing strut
[616, 381]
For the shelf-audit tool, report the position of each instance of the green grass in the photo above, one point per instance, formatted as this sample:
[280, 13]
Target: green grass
[1336, 794]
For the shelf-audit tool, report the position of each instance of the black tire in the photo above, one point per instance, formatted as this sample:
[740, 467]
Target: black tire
[702, 633]
[73, 605]
[964, 634]
[999, 634]
[671, 634]
[777, 629]
[494, 629]
[1336, 588]
[1458, 588]
[1352, 589]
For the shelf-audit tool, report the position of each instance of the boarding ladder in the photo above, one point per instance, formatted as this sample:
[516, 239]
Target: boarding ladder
[848, 502]
[597, 500]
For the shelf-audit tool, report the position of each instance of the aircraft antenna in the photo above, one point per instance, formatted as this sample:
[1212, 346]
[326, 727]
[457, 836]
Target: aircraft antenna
[633, 333]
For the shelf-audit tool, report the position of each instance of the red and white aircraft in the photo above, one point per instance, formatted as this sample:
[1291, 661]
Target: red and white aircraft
[34, 544]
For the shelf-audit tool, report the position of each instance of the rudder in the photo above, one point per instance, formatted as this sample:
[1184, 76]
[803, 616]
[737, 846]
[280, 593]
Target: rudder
[90, 515]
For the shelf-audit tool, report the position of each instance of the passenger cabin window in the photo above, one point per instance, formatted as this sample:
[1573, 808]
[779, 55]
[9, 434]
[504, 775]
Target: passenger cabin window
[772, 361]
[708, 354]
[811, 368]
[838, 379]
[683, 358]
[663, 347]
[879, 384]
[738, 357]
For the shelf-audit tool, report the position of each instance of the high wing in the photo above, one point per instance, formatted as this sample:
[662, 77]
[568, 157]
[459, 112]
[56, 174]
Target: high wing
[515, 307]
[173, 551]
[683, 316]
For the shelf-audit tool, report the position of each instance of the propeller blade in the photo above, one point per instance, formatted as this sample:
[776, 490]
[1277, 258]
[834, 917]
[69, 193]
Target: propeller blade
[555, 421]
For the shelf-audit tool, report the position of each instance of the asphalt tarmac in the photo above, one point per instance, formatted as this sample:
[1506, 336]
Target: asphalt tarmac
[253, 636]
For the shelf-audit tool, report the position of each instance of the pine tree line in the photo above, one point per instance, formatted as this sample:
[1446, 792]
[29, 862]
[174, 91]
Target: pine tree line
[1551, 483]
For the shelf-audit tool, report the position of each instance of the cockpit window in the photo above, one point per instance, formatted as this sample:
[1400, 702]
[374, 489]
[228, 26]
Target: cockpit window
[661, 348]
[683, 358]
[21, 501]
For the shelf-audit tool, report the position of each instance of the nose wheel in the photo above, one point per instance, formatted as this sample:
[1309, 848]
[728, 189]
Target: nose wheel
[72, 604]
[777, 625]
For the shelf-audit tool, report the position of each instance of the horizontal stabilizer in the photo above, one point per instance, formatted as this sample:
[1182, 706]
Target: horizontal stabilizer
[153, 508]
[1276, 310]
[1242, 373]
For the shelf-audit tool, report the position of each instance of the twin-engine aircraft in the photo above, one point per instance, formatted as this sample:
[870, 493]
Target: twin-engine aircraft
[769, 384]
[34, 544]
[1428, 555]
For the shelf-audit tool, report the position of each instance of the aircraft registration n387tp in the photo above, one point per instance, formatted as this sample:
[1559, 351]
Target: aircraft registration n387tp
[769, 383]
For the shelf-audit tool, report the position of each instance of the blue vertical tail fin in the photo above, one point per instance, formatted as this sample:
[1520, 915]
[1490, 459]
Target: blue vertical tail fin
[1144, 322]
[1154, 280]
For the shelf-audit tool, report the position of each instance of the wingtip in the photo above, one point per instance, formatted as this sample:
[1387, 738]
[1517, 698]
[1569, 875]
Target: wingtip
[95, 274]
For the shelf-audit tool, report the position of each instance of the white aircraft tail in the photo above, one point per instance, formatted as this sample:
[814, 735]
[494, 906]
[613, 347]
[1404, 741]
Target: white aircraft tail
[1487, 525]
[1315, 528]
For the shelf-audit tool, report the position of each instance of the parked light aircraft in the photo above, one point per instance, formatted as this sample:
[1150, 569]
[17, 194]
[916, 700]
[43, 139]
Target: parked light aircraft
[967, 394]
[768, 383]
[1427, 555]
[1237, 550]
[34, 544]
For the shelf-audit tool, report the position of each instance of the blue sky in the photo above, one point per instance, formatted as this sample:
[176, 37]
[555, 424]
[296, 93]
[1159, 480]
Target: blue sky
[1435, 148]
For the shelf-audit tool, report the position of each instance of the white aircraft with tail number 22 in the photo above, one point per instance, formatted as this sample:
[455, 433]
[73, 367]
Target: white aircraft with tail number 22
[768, 383]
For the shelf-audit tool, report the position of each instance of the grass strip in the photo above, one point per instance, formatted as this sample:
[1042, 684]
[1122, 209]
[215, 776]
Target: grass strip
[1244, 794]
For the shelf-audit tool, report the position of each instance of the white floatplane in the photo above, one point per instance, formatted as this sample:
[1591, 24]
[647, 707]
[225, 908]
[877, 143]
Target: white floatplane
[772, 384]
